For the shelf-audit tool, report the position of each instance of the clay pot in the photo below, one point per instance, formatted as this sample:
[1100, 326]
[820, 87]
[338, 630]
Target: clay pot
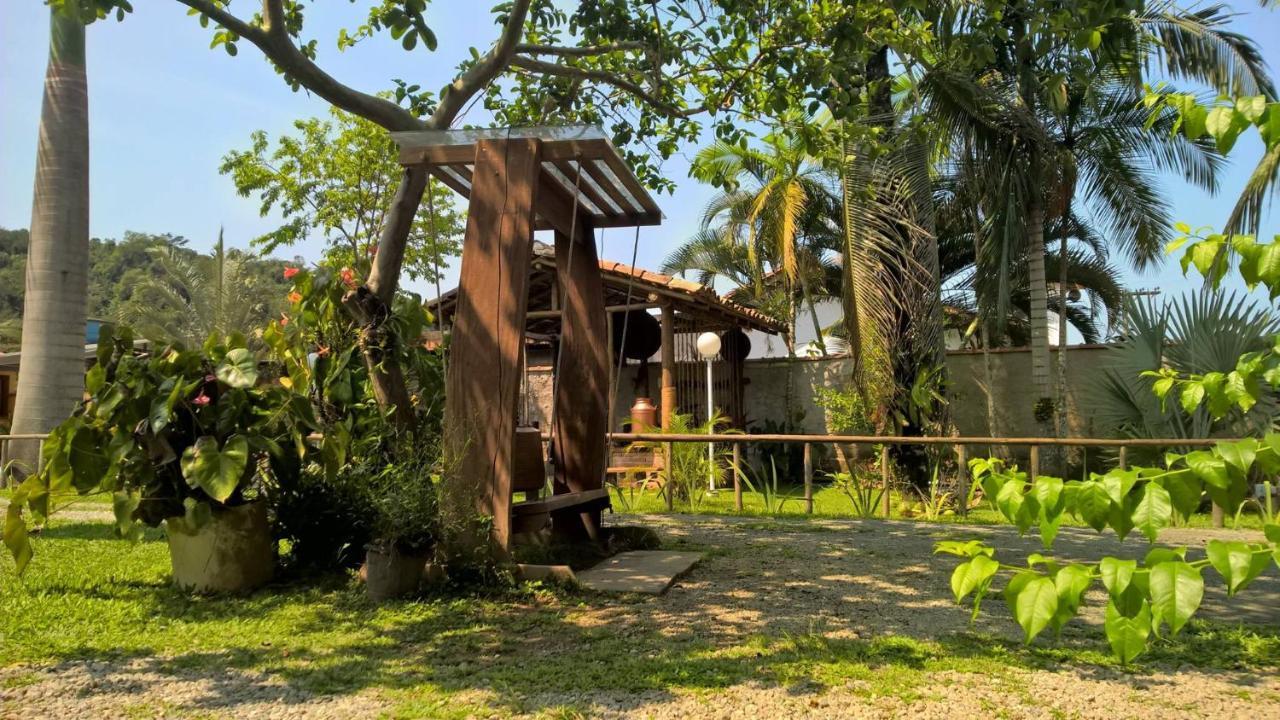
[391, 574]
[232, 553]
[644, 415]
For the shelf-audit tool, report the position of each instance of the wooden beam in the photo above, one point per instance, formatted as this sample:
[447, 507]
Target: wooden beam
[550, 314]
[668, 386]
[582, 382]
[483, 384]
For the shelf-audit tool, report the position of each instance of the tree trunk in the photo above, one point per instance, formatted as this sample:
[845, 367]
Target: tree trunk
[371, 305]
[813, 313]
[1039, 297]
[51, 378]
[1061, 401]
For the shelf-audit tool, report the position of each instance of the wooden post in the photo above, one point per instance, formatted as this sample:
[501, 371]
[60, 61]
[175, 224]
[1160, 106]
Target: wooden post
[737, 477]
[1219, 517]
[962, 470]
[488, 334]
[668, 385]
[1034, 468]
[884, 477]
[808, 479]
[1124, 457]
[583, 382]
[668, 486]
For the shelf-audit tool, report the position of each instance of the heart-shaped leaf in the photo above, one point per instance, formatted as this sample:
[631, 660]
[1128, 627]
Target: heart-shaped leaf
[1034, 603]
[972, 575]
[239, 369]
[216, 471]
[1152, 511]
[1128, 635]
[1236, 562]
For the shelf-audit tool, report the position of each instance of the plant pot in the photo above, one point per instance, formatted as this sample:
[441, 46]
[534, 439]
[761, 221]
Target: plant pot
[232, 553]
[390, 573]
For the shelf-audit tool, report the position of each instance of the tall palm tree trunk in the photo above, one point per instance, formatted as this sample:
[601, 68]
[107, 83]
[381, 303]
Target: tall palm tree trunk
[51, 377]
[1061, 403]
[1038, 285]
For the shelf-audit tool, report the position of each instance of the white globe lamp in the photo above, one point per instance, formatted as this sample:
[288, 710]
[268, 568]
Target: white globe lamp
[709, 347]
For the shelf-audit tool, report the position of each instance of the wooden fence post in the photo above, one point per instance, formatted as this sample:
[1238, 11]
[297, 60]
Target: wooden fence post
[1124, 457]
[669, 449]
[962, 469]
[1034, 470]
[737, 476]
[808, 480]
[884, 477]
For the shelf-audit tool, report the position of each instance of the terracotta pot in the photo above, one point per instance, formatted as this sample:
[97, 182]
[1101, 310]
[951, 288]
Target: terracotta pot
[232, 553]
[390, 573]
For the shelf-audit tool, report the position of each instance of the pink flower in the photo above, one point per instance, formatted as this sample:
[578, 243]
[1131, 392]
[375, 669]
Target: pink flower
[201, 400]
[289, 272]
[284, 319]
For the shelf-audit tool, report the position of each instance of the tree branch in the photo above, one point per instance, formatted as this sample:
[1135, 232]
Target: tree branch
[274, 42]
[606, 78]
[584, 51]
[478, 76]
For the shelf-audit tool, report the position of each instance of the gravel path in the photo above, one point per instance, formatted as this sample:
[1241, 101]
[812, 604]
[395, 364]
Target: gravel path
[832, 580]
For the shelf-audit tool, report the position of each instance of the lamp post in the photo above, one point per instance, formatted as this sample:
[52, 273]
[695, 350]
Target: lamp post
[709, 347]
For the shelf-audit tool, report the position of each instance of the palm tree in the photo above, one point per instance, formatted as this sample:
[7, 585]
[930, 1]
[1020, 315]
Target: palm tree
[775, 201]
[54, 308]
[1089, 136]
[195, 296]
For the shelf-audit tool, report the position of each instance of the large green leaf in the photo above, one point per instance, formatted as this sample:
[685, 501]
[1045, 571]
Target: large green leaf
[239, 369]
[972, 575]
[1236, 562]
[1185, 491]
[1152, 511]
[216, 471]
[15, 534]
[1033, 598]
[1128, 635]
[87, 456]
[1071, 582]
[1176, 591]
[1116, 574]
[1118, 483]
[1238, 455]
[1093, 504]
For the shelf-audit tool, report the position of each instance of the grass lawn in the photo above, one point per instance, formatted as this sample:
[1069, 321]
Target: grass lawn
[528, 649]
[830, 502]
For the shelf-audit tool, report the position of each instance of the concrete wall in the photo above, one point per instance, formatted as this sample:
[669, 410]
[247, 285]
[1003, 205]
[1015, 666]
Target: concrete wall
[776, 385]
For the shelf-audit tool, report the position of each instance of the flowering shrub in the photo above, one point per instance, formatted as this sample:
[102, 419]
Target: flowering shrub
[171, 435]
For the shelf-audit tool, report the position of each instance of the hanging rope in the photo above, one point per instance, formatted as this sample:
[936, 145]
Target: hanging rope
[622, 344]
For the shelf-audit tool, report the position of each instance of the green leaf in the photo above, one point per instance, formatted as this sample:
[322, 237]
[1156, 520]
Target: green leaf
[1224, 124]
[1127, 635]
[968, 549]
[972, 575]
[1093, 504]
[217, 472]
[88, 459]
[1176, 591]
[1116, 574]
[239, 369]
[1252, 108]
[1185, 491]
[1033, 598]
[1236, 562]
[15, 534]
[123, 504]
[1191, 396]
[1071, 582]
[1238, 455]
[1118, 483]
[1152, 511]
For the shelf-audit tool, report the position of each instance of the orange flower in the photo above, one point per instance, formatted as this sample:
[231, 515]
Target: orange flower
[322, 351]
[289, 272]
[295, 297]
[284, 319]
[348, 277]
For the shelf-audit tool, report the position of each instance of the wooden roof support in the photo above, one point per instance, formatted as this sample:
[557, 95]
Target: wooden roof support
[668, 388]
[483, 384]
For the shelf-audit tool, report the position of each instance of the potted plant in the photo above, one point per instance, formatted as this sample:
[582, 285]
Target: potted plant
[196, 440]
[403, 493]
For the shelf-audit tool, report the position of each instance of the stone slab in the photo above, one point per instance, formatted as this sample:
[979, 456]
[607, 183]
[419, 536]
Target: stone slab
[641, 571]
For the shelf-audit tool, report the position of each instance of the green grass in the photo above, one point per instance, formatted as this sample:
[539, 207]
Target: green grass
[830, 502]
[87, 595]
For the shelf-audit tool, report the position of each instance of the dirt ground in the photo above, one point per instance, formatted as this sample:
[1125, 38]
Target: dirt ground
[823, 581]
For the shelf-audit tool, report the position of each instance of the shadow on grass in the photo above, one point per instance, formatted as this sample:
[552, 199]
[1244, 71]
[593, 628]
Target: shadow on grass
[528, 649]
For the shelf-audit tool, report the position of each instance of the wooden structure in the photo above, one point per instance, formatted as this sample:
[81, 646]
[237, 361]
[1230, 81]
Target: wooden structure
[570, 181]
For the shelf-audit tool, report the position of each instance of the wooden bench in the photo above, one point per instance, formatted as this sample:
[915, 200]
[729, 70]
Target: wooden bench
[529, 476]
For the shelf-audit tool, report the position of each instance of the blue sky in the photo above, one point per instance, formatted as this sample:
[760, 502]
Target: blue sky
[164, 109]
